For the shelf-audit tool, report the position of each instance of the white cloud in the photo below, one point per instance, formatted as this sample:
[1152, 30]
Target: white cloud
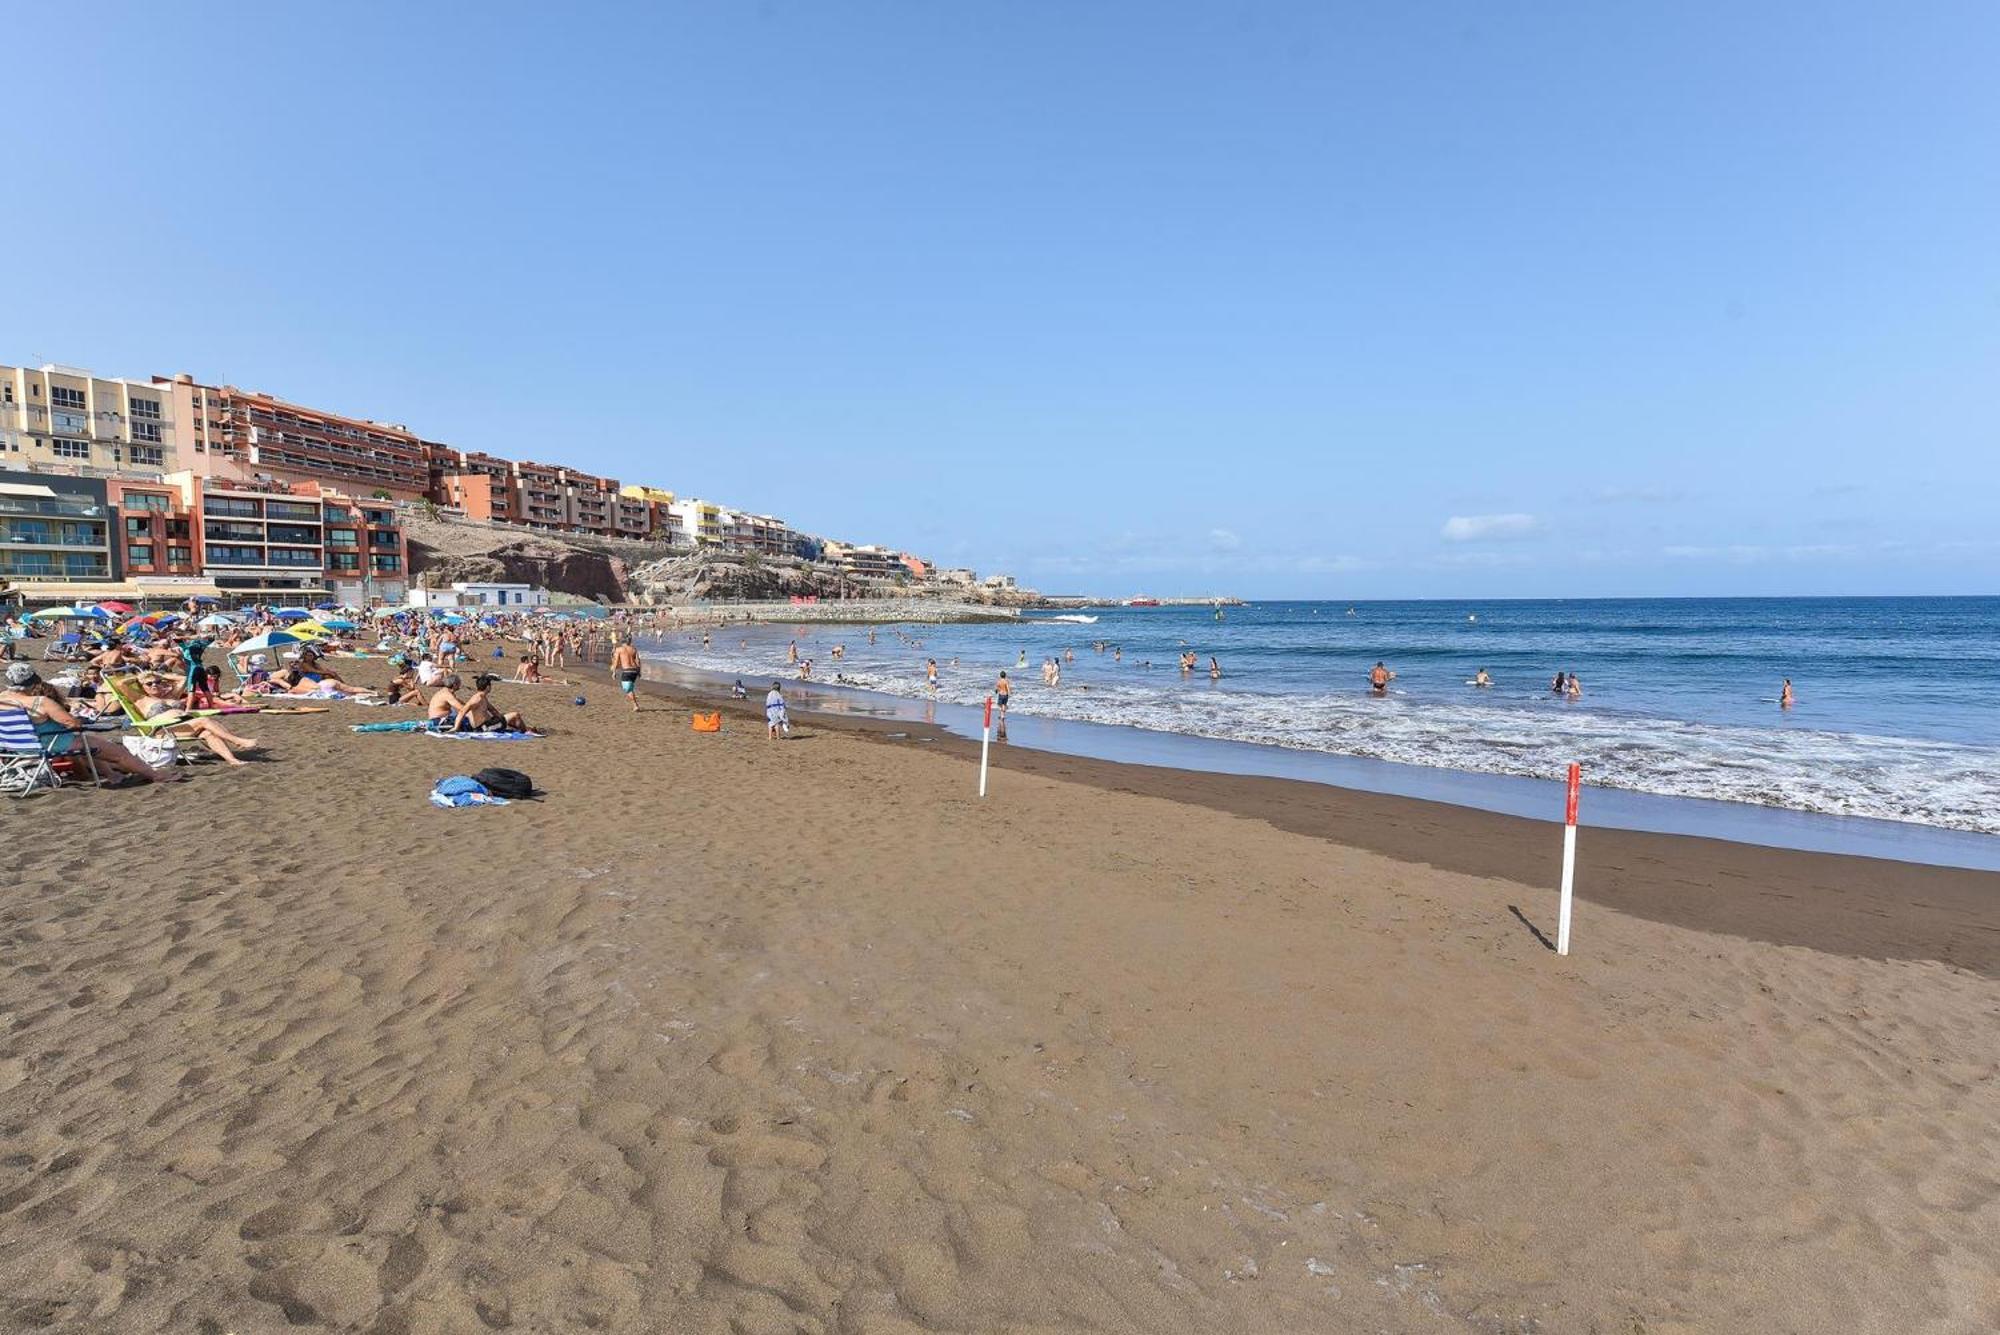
[1224, 540]
[1490, 528]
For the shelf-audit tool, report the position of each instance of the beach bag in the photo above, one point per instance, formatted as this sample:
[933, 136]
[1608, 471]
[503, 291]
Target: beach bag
[158, 751]
[711, 722]
[506, 782]
[460, 790]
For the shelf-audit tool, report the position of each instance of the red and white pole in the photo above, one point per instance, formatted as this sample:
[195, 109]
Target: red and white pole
[1569, 860]
[985, 744]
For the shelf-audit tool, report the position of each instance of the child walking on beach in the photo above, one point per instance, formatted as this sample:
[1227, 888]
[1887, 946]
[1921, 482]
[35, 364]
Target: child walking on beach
[775, 719]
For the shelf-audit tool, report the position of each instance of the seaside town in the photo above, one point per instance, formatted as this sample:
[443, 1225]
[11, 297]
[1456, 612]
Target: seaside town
[166, 488]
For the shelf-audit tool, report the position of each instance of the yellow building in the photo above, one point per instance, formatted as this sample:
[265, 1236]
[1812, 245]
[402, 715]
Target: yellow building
[62, 419]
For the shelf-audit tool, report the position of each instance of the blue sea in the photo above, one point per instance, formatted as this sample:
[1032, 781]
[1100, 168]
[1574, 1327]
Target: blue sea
[1897, 712]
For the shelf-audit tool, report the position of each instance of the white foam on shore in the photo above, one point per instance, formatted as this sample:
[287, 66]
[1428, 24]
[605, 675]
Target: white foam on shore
[1947, 784]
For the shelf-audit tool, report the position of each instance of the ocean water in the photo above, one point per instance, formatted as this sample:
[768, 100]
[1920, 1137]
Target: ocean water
[1897, 713]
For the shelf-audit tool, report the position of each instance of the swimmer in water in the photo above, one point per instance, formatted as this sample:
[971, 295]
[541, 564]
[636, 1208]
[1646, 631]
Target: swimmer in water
[1379, 678]
[1214, 670]
[1480, 678]
[1574, 690]
[1557, 686]
[1785, 694]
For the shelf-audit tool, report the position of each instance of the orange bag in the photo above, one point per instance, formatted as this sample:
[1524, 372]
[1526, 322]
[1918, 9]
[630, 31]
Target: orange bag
[708, 722]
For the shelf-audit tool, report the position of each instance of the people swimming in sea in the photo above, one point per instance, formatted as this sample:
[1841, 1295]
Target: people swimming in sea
[1574, 690]
[1560, 684]
[1214, 669]
[1482, 678]
[1785, 694]
[1379, 678]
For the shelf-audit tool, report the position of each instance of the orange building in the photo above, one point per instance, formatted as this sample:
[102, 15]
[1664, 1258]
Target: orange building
[243, 435]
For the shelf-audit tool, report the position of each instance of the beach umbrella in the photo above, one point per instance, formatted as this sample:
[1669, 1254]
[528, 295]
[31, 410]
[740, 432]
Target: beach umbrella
[269, 640]
[452, 619]
[53, 614]
[204, 598]
[291, 614]
[326, 607]
[215, 621]
[337, 623]
[116, 607]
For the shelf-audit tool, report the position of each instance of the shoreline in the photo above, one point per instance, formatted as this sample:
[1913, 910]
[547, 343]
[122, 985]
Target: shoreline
[1840, 903]
[1756, 824]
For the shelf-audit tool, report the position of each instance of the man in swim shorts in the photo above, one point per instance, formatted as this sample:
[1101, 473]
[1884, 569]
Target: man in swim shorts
[1001, 690]
[625, 671]
[1379, 678]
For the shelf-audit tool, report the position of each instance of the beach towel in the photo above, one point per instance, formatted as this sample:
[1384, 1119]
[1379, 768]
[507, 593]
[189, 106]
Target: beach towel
[488, 736]
[462, 790]
[400, 725]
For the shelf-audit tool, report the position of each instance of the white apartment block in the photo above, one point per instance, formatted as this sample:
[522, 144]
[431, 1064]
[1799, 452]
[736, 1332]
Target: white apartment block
[62, 419]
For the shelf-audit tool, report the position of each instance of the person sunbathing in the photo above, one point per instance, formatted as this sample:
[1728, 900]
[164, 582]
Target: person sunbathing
[403, 689]
[445, 706]
[529, 672]
[478, 714]
[24, 689]
[158, 702]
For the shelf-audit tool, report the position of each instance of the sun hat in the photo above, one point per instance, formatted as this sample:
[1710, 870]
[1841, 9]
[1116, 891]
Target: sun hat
[22, 674]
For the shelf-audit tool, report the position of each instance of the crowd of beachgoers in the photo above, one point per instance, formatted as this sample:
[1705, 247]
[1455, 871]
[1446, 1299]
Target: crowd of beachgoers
[107, 694]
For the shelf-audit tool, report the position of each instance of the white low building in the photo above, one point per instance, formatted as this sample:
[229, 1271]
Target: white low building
[512, 597]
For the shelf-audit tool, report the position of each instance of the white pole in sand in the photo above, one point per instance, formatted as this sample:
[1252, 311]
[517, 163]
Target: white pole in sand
[1569, 860]
[985, 744]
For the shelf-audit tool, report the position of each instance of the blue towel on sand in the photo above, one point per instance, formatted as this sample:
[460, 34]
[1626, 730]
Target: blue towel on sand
[401, 725]
[488, 736]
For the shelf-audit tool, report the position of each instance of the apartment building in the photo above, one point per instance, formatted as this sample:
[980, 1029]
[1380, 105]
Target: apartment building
[66, 419]
[367, 557]
[698, 523]
[588, 503]
[757, 533]
[56, 537]
[240, 434]
[538, 497]
[477, 485]
[157, 533]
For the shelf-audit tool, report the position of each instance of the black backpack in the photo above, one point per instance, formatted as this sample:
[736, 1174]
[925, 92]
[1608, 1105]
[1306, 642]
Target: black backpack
[506, 782]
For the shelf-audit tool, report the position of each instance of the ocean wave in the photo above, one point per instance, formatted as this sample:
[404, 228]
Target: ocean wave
[1948, 784]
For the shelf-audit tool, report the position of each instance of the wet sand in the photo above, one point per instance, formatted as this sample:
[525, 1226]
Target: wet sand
[728, 1035]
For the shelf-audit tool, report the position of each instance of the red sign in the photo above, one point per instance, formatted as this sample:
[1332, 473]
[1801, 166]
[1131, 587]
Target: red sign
[1575, 781]
[989, 711]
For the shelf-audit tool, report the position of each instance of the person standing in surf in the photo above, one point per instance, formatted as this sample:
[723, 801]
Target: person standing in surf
[1379, 678]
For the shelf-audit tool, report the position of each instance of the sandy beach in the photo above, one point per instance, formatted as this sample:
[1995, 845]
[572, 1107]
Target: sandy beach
[733, 1036]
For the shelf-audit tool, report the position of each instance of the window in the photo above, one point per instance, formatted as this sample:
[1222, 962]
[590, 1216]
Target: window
[146, 500]
[146, 431]
[388, 541]
[146, 408]
[148, 456]
[139, 553]
[300, 533]
[70, 449]
[222, 555]
[180, 528]
[341, 537]
[345, 561]
[224, 531]
[64, 397]
[138, 525]
[384, 564]
[290, 510]
[230, 505]
[180, 556]
[294, 556]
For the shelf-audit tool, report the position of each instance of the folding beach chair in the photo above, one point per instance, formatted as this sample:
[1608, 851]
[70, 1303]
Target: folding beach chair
[125, 689]
[64, 649]
[30, 758]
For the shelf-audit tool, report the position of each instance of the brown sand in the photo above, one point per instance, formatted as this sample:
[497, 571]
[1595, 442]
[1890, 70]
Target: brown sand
[737, 1036]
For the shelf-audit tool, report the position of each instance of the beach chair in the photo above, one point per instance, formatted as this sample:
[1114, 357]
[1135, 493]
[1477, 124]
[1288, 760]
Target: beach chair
[125, 689]
[65, 649]
[30, 757]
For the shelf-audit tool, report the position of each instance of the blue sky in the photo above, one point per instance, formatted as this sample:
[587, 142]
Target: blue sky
[1313, 300]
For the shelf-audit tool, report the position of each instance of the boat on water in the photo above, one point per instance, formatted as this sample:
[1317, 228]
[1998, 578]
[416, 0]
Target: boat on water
[1142, 601]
